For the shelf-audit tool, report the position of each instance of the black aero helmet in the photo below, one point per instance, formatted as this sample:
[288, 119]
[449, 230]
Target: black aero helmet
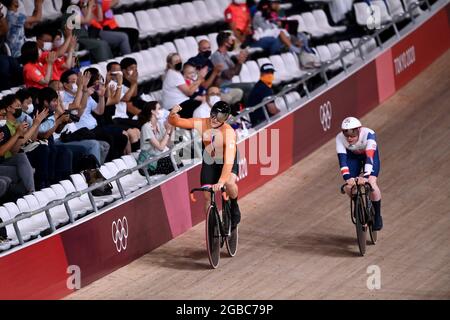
[220, 110]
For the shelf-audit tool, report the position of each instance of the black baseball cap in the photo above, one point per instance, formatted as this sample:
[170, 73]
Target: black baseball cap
[267, 67]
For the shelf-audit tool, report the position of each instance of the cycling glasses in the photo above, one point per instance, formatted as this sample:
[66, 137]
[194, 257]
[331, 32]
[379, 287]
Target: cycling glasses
[351, 133]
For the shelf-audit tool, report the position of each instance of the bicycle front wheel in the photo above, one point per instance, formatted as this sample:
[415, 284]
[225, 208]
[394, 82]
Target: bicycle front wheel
[360, 227]
[212, 237]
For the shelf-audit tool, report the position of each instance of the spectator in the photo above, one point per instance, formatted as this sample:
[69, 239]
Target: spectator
[212, 96]
[238, 17]
[17, 23]
[16, 167]
[26, 101]
[202, 59]
[116, 39]
[265, 23]
[262, 89]
[107, 22]
[155, 139]
[9, 68]
[176, 91]
[38, 156]
[87, 146]
[190, 75]
[226, 44]
[62, 46]
[60, 156]
[92, 101]
[98, 48]
[35, 73]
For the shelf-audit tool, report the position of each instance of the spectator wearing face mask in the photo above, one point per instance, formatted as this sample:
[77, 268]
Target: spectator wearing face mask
[204, 110]
[17, 23]
[231, 66]
[39, 155]
[261, 90]
[35, 73]
[175, 89]
[64, 48]
[26, 101]
[155, 139]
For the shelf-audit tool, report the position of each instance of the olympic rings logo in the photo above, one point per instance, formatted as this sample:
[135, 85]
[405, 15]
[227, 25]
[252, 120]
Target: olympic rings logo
[325, 115]
[120, 233]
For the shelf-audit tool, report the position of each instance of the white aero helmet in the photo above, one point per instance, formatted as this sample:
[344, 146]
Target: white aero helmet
[350, 123]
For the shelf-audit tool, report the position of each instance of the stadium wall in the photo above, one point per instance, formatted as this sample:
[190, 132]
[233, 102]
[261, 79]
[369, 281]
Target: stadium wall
[49, 268]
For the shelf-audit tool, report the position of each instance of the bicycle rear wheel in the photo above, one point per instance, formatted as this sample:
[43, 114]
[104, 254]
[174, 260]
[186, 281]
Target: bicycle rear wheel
[233, 235]
[212, 237]
[360, 228]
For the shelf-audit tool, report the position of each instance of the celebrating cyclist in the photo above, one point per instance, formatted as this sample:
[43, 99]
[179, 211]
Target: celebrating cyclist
[220, 159]
[356, 147]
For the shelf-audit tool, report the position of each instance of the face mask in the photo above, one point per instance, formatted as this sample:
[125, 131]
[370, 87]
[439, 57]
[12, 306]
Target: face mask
[61, 93]
[74, 87]
[240, 1]
[30, 108]
[47, 46]
[206, 54]
[194, 77]
[213, 100]
[130, 72]
[2, 122]
[178, 66]
[59, 42]
[268, 79]
[17, 113]
[230, 47]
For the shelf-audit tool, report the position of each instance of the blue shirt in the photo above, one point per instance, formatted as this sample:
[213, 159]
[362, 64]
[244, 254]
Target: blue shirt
[87, 120]
[258, 93]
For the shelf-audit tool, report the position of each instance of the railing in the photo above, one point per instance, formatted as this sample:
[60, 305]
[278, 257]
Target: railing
[171, 153]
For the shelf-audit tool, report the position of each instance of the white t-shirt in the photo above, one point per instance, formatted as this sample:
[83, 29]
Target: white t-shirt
[171, 94]
[121, 107]
[203, 111]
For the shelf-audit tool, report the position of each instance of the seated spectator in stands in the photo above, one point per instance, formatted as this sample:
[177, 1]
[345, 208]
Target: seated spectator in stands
[35, 73]
[60, 155]
[116, 39]
[265, 23]
[226, 44]
[176, 91]
[105, 20]
[5, 182]
[26, 101]
[9, 67]
[155, 139]
[191, 75]
[202, 59]
[262, 89]
[16, 167]
[237, 15]
[92, 101]
[87, 146]
[98, 48]
[17, 23]
[64, 48]
[212, 96]
[38, 153]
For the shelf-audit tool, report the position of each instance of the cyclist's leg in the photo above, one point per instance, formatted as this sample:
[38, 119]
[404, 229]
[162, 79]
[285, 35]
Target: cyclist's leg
[232, 191]
[210, 174]
[375, 196]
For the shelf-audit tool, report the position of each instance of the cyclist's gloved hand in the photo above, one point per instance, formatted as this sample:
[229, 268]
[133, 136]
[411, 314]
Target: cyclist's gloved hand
[362, 181]
[351, 182]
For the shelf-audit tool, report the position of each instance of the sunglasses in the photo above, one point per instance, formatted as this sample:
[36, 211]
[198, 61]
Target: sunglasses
[350, 133]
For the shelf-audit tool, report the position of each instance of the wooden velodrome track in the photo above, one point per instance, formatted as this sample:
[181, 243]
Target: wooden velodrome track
[296, 238]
